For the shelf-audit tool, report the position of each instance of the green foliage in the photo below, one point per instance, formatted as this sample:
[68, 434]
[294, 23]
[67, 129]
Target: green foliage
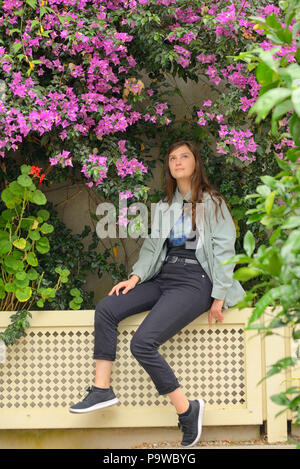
[68, 251]
[23, 238]
[277, 204]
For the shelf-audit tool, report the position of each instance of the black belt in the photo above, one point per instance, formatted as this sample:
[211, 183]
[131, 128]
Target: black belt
[183, 260]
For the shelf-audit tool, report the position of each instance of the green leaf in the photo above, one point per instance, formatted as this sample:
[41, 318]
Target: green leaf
[268, 298]
[32, 259]
[46, 292]
[5, 246]
[32, 274]
[10, 199]
[274, 264]
[32, 3]
[267, 57]
[269, 181]
[13, 263]
[293, 154]
[47, 228]
[296, 98]
[75, 292]
[42, 245]
[39, 198]
[23, 294]
[34, 23]
[268, 221]
[34, 235]
[24, 180]
[267, 101]
[4, 234]
[296, 334]
[245, 273]
[10, 287]
[254, 217]
[263, 190]
[20, 243]
[290, 73]
[264, 74]
[21, 275]
[291, 222]
[294, 125]
[291, 246]
[44, 214]
[16, 189]
[269, 201]
[296, 28]
[25, 169]
[280, 399]
[21, 283]
[249, 243]
[282, 108]
[237, 259]
[65, 272]
[16, 47]
[74, 305]
[282, 163]
[271, 21]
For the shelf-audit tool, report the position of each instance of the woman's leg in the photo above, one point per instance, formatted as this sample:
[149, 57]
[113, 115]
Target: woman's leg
[109, 312]
[179, 400]
[185, 296]
[103, 372]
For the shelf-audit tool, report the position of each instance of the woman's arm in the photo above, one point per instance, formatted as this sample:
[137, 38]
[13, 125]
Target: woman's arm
[223, 236]
[142, 265]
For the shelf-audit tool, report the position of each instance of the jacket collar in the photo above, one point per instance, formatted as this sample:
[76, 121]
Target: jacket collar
[178, 197]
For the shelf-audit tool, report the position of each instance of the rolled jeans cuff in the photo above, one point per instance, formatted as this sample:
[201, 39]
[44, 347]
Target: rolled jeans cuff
[104, 357]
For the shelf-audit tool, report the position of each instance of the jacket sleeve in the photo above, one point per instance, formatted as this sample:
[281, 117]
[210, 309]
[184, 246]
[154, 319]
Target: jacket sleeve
[223, 236]
[147, 250]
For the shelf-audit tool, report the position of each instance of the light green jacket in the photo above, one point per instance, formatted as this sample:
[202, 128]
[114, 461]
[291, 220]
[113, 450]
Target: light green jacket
[218, 243]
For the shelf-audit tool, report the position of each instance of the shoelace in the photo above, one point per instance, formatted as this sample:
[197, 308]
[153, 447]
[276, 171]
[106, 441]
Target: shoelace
[89, 390]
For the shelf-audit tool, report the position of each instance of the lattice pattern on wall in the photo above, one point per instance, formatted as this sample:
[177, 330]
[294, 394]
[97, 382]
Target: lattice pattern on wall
[52, 367]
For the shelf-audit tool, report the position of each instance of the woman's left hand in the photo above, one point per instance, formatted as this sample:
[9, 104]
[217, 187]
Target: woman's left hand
[216, 311]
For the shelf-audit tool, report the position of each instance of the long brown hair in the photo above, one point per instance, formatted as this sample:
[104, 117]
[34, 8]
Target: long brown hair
[199, 180]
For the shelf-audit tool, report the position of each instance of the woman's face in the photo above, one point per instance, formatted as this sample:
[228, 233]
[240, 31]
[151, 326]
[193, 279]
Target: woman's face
[182, 163]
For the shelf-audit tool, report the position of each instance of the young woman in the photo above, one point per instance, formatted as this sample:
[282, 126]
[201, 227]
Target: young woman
[177, 278]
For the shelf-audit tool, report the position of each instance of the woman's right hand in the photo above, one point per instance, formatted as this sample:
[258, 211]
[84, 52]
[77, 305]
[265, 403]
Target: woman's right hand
[126, 284]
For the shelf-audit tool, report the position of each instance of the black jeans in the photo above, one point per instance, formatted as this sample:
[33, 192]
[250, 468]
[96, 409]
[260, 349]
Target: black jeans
[176, 296]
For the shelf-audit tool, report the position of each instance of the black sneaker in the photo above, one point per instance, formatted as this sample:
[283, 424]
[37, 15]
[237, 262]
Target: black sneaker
[191, 424]
[96, 399]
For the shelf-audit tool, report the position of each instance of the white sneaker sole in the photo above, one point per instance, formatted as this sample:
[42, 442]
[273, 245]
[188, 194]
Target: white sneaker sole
[101, 405]
[200, 418]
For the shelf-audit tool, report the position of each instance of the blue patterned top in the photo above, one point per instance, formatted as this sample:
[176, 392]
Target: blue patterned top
[182, 240]
[182, 232]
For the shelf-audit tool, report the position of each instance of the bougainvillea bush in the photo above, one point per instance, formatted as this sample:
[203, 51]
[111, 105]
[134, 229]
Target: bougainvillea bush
[71, 75]
[73, 95]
